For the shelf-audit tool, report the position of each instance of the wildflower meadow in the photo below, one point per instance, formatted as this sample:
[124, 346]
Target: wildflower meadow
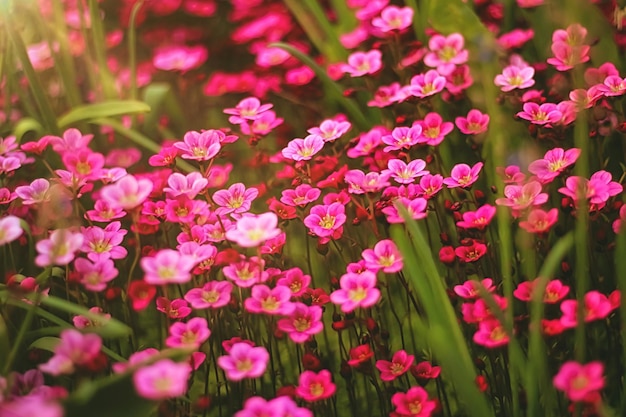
[298, 208]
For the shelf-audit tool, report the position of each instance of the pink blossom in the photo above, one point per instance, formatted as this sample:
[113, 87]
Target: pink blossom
[515, 38]
[247, 109]
[459, 80]
[72, 140]
[167, 266]
[555, 291]
[370, 8]
[174, 309]
[404, 173]
[10, 229]
[543, 114]
[237, 199]
[303, 149]
[282, 406]
[434, 129]
[272, 301]
[244, 361]
[462, 175]
[304, 322]
[514, 77]
[402, 138]
[31, 405]
[554, 162]
[416, 209]
[331, 130]
[491, 334]
[446, 53]
[246, 272]
[386, 95]
[59, 248]
[267, 57]
[95, 276]
[430, 185]
[315, 386]
[470, 288]
[200, 146]
[299, 76]
[471, 253]
[475, 122]
[568, 56]
[213, 294]
[82, 322]
[189, 185]
[363, 63]
[618, 225]
[162, 379]
[520, 197]
[84, 163]
[424, 371]
[597, 307]
[188, 335]
[574, 35]
[104, 243]
[75, 349]
[262, 126]
[585, 99]
[367, 142]
[414, 403]
[598, 75]
[301, 196]
[425, 85]
[598, 189]
[478, 219]
[296, 280]
[393, 18]
[612, 86]
[580, 381]
[128, 193]
[385, 256]
[36, 193]
[539, 221]
[357, 290]
[104, 212]
[399, 365]
[252, 230]
[324, 220]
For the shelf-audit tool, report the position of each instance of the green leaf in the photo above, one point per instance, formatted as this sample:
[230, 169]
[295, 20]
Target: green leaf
[110, 108]
[5, 345]
[160, 98]
[48, 343]
[25, 125]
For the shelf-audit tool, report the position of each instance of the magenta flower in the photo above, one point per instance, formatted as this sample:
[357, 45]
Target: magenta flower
[315, 386]
[59, 248]
[361, 183]
[188, 335]
[244, 361]
[430, 185]
[404, 173]
[128, 193]
[478, 219]
[402, 138]
[84, 163]
[462, 175]
[174, 309]
[162, 379]
[304, 322]
[553, 163]
[75, 349]
[237, 199]
[301, 196]
[278, 407]
[539, 221]
[578, 381]
[598, 189]
[100, 244]
[213, 294]
[414, 403]
[470, 288]
[393, 18]
[446, 53]
[425, 85]
[399, 365]
[357, 290]
[618, 225]
[386, 95]
[179, 57]
[514, 77]
[331, 130]
[362, 63]
[303, 149]
[252, 230]
[324, 220]
[385, 256]
[104, 212]
[296, 280]
[247, 109]
[612, 86]
[265, 300]
[246, 272]
[416, 208]
[72, 141]
[200, 146]
[167, 266]
[265, 124]
[491, 334]
[95, 276]
[555, 291]
[434, 129]
[475, 122]
[543, 114]
[520, 197]
[10, 229]
[471, 253]
[597, 307]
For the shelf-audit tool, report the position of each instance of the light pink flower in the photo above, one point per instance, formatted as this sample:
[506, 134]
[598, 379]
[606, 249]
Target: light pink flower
[315, 386]
[386, 95]
[304, 322]
[59, 248]
[539, 221]
[213, 294]
[470, 288]
[252, 230]
[415, 207]
[246, 272]
[282, 406]
[393, 18]
[237, 199]
[244, 361]
[167, 266]
[128, 193]
[324, 220]
[425, 85]
[200, 146]
[478, 219]
[475, 122]
[404, 173]
[189, 185]
[514, 77]
[10, 229]
[249, 108]
[179, 57]
[568, 56]
[37, 192]
[75, 349]
[385, 256]
[272, 301]
[188, 335]
[357, 290]
[103, 212]
[516, 38]
[414, 403]
[265, 124]
[554, 162]
[362, 63]
[618, 225]
[579, 381]
[301, 196]
[598, 189]
[296, 280]
[543, 114]
[446, 53]
[331, 130]
[303, 149]
[462, 175]
[95, 276]
[104, 243]
[520, 197]
[612, 86]
[399, 365]
[72, 141]
[402, 138]
[161, 380]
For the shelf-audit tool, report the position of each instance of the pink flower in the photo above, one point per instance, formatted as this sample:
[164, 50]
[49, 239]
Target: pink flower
[295, 280]
[252, 230]
[514, 77]
[84, 163]
[167, 266]
[246, 272]
[200, 146]
[265, 300]
[399, 365]
[469, 289]
[462, 175]
[103, 212]
[393, 18]
[315, 386]
[425, 85]
[385, 256]
[59, 248]
[95, 276]
[404, 173]
[304, 322]
[446, 53]
[362, 63]
[213, 294]
[72, 140]
[244, 361]
[37, 192]
[331, 130]
[474, 123]
[174, 309]
[189, 185]
[357, 290]
[515, 38]
[613, 86]
[434, 129]
[179, 57]
[598, 189]
[430, 185]
[555, 291]
[188, 335]
[579, 381]
[478, 219]
[597, 307]
[414, 403]
[74, 349]
[104, 243]
[128, 193]
[303, 149]
[618, 225]
[361, 183]
[386, 95]
[585, 99]
[324, 220]
[520, 197]
[490, 334]
[553, 163]
[424, 371]
[416, 208]
[471, 253]
[247, 109]
[402, 138]
[265, 124]
[539, 221]
[301, 196]
[567, 56]
[282, 406]
[10, 229]
[161, 380]
[237, 199]
[543, 114]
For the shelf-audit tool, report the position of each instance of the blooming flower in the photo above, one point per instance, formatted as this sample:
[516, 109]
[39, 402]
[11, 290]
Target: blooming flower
[478, 219]
[200, 146]
[434, 129]
[296, 280]
[539, 221]
[446, 53]
[520, 197]
[303, 149]
[414, 403]
[393, 18]
[402, 138]
[161, 380]
[424, 85]
[301, 196]
[179, 57]
[272, 301]
[462, 175]
[37, 192]
[357, 290]
[237, 199]
[471, 253]
[174, 309]
[59, 248]
[514, 77]
[189, 185]
[331, 130]
[385, 256]
[104, 243]
[95, 276]
[399, 365]
[167, 266]
[543, 114]
[362, 63]
[188, 335]
[10, 229]
[475, 122]
[246, 272]
[555, 291]
[244, 361]
[324, 220]
[315, 386]
[247, 109]
[404, 173]
[598, 189]
[416, 209]
[554, 162]
[213, 294]
[469, 289]
[252, 230]
[281, 406]
[490, 334]
[304, 322]
[579, 381]
[597, 307]
[127, 193]
[74, 349]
